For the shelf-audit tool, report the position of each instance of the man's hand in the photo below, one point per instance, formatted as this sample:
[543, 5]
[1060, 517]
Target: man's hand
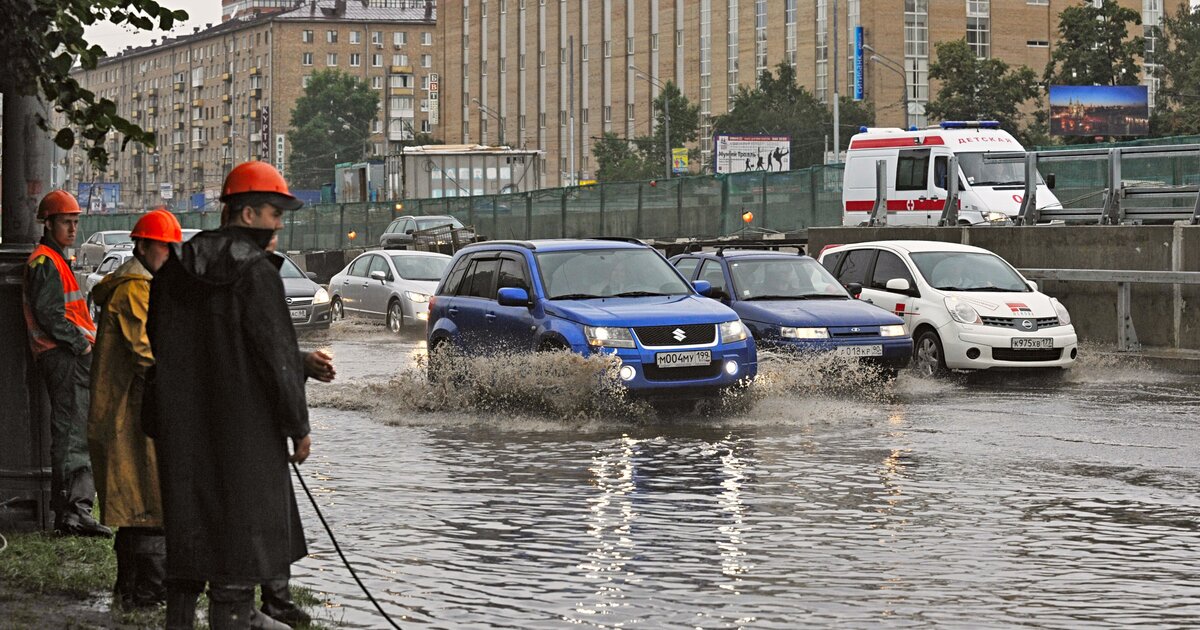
[300, 449]
[319, 365]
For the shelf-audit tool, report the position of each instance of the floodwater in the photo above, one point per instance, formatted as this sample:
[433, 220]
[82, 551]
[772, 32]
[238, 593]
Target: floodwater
[527, 497]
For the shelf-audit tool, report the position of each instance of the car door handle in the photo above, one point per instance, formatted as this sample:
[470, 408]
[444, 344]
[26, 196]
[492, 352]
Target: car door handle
[346, 281]
[452, 311]
[491, 317]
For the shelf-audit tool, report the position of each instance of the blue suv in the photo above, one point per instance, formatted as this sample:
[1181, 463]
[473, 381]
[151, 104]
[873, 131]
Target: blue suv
[590, 296]
[791, 302]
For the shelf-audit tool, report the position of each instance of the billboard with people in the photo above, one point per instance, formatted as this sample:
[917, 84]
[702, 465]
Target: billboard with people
[742, 154]
[1099, 110]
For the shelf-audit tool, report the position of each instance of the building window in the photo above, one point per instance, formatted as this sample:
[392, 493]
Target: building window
[607, 49]
[377, 60]
[541, 59]
[607, 113]
[1037, 43]
[305, 80]
[732, 49]
[426, 61]
[331, 59]
[376, 126]
[377, 83]
[821, 84]
[331, 37]
[307, 59]
[629, 112]
[628, 45]
[425, 126]
[355, 60]
[377, 38]
[466, 42]
[355, 37]
[916, 54]
[654, 41]
[399, 39]
[679, 38]
[306, 37]
[562, 118]
[426, 38]
[542, 120]
[521, 61]
[760, 37]
[978, 27]
[583, 115]
[583, 52]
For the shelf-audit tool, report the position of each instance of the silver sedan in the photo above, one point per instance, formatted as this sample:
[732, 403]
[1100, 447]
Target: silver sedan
[389, 285]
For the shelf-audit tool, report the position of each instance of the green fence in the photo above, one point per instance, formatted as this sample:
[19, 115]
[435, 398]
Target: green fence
[1081, 181]
[701, 207]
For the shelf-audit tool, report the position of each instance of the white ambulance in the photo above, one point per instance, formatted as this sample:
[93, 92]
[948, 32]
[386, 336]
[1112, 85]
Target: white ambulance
[990, 191]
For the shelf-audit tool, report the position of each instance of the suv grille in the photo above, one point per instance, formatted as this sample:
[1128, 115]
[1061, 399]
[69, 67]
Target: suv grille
[1008, 354]
[1015, 322]
[692, 335]
[654, 373]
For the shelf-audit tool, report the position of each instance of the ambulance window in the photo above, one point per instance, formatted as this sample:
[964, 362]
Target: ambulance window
[912, 170]
[858, 262]
[887, 267]
[941, 165]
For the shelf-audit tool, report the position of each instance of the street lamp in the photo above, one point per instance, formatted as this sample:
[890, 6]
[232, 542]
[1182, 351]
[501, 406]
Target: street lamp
[666, 113]
[894, 67]
[491, 113]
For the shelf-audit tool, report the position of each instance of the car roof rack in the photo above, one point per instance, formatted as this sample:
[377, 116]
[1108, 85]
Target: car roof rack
[622, 239]
[525, 244]
[754, 247]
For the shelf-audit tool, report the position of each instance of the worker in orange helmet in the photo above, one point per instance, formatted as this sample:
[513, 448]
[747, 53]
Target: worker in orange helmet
[122, 456]
[61, 335]
[226, 397]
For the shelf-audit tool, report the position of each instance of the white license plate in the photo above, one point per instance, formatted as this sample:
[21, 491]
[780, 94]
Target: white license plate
[683, 359]
[1034, 343]
[299, 313]
[859, 351]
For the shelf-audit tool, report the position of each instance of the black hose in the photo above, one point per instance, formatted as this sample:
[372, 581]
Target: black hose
[338, 548]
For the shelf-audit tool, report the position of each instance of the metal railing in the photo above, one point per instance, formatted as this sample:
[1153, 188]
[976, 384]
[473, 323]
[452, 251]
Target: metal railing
[1127, 340]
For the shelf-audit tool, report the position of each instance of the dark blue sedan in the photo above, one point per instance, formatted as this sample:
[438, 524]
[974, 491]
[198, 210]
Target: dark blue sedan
[791, 302]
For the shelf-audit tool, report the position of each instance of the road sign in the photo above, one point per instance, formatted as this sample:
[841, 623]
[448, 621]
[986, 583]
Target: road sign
[166, 191]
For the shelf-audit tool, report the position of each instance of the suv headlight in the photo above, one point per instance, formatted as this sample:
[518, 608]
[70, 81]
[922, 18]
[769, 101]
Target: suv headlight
[787, 332]
[891, 330]
[995, 217]
[962, 312]
[1064, 317]
[608, 337]
[321, 297]
[733, 331]
[413, 296]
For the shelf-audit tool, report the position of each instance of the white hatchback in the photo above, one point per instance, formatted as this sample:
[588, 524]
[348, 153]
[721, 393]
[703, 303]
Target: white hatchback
[965, 307]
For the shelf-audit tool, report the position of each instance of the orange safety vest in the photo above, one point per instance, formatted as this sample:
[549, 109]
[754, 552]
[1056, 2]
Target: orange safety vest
[76, 306]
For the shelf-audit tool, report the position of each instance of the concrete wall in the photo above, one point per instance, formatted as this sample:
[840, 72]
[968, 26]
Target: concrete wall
[1162, 315]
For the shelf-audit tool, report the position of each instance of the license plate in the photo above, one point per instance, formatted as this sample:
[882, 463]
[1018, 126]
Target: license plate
[859, 351]
[683, 359]
[1035, 343]
[299, 313]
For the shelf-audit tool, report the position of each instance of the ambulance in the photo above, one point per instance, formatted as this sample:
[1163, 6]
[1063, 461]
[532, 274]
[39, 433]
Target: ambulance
[990, 191]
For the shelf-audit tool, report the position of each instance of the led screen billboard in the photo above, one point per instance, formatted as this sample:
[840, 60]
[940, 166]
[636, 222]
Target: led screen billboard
[1099, 110]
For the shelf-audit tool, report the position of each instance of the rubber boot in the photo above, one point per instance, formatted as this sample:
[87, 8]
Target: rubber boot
[150, 555]
[230, 607]
[124, 546]
[259, 621]
[77, 513]
[277, 604]
[181, 608]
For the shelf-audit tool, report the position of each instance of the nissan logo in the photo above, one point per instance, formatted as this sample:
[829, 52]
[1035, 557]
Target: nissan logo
[1027, 324]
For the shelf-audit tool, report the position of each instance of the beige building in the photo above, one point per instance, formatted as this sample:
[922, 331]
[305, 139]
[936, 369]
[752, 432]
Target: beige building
[509, 66]
[225, 93]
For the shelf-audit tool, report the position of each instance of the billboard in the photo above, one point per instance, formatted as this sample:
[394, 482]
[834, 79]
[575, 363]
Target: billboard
[858, 63]
[99, 197]
[1099, 110]
[679, 161]
[741, 154]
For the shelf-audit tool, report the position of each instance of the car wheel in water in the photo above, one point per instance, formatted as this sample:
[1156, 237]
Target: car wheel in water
[395, 317]
[336, 310]
[929, 358]
[436, 366]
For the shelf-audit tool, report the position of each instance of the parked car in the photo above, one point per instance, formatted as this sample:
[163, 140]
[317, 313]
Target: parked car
[591, 296]
[307, 301]
[390, 285]
[93, 250]
[399, 233]
[965, 307]
[115, 258]
[790, 302]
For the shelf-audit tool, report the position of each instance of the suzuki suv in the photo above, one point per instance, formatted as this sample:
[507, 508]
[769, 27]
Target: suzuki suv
[592, 296]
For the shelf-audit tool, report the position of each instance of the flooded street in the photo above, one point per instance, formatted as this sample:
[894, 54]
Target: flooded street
[824, 499]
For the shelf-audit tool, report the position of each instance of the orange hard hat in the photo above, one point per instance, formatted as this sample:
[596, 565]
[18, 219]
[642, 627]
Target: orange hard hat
[57, 202]
[259, 177]
[158, 225]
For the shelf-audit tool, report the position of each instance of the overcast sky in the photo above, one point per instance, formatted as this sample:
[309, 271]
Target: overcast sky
[113, 38]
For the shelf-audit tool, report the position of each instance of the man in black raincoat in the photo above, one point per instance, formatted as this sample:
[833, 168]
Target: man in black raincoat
[226, 397]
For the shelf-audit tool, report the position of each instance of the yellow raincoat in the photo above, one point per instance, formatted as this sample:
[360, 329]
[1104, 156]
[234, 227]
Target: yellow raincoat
[123, 458]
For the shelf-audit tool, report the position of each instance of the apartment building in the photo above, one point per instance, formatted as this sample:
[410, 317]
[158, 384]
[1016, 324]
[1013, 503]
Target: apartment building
[224, 94]
[510, 67]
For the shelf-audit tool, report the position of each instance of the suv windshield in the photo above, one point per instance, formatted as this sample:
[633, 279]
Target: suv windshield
[603, 273]
[432, 222]
[782, 279]
[420, 267]
[984, 172]
[968, 271]
[289, 269]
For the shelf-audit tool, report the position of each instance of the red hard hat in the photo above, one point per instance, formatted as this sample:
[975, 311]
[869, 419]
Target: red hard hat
[57, 202]
[158, 225]
[258, 177]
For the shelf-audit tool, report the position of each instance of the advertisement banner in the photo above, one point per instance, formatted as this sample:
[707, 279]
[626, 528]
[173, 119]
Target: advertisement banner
[679, 161]
[264, 151]
[741, 154]
[858, 63]
[99, 197]
[1099, 110]
[434, 106]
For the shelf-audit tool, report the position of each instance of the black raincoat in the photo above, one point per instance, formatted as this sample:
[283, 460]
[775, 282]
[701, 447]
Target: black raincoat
[226, 393]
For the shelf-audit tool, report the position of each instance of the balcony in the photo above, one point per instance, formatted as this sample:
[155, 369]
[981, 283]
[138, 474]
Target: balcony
[198, 165]
[179, 166]
[227, 120]
[225, 98]
[136, 115]
[256, 93]
[177, 107]
[180, 126]
[152, 168]
[137, 96]
[255, 72]
[254, 114]
[198, 102]
[399, 136]
[401, 91]
[151, 111]
[226, 142]
[226, 76]
[152, 93]
[400, 70]
[180, 86]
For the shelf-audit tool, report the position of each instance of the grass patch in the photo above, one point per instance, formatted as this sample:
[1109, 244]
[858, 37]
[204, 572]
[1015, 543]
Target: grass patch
[42, 563]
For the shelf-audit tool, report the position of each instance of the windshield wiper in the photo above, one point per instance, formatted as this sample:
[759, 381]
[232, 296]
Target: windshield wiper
[993, 290]
[640, 294]
[577, 296]
[823, 296]
[776, 297]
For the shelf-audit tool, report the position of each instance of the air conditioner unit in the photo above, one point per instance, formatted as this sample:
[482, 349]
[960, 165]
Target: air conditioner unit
[396, 46]
[378, 46]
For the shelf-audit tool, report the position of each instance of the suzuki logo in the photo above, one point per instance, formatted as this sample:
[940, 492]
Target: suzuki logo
[678, 334]
[1027, 324]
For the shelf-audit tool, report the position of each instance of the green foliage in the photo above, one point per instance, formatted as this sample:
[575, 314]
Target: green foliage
[779, 106]
[43, 39]
[980, 89]
[331, 123]
[1094, 46]
[1178, 55]
[645, 157]
[43, 563]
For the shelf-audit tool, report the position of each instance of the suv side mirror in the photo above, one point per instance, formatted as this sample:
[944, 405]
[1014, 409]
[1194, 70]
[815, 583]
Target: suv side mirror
[898, 285]
[512, 296]
[1050, 180]
[379, 275]
[854, 289]
[1033, 286]
[703, 287]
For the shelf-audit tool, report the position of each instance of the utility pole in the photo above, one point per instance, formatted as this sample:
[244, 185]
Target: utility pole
[837, 122]
[666, 113]
[573, 178]
[26, 167]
